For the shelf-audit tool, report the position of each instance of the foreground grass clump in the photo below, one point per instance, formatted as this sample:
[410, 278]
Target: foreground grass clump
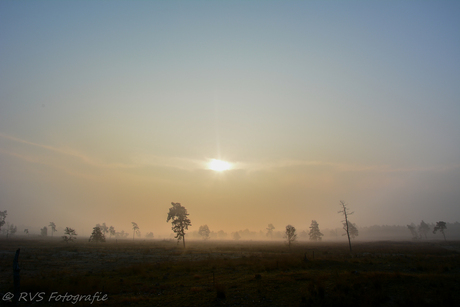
[158, 273]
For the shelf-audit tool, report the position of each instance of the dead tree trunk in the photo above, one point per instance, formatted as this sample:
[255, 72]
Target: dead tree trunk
[346, 227]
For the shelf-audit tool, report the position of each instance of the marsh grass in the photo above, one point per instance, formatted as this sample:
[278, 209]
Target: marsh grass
[245, 273]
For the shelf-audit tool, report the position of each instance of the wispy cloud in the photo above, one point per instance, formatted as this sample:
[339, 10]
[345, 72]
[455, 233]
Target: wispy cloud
[149, 160]
[341, 167]
[66, 152]
[138, 160]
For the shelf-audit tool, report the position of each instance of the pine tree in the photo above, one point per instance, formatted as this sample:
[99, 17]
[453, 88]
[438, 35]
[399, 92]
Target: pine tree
[97, 235]
[352, 229]
[180, 222]
[290, 235]
[53, 228]
[136, 230]
[270, 229]
[315, 234]
[413, 231]
[423, 229]
[70, 235]
[204, 232]
[112, 231]
[440, 226]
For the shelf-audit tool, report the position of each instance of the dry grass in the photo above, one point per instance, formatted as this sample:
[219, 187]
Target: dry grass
[159, 273]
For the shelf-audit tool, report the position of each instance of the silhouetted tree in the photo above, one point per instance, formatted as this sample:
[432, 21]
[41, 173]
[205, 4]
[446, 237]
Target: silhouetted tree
[270, 229]
[121, 234]
[333, 233]
[204, 232]
[97, 235]
[70, 236]
[236, 236]
[290, 235]
[13, 229]
[346, 224]
[3, 215]
[221, 234]
[112, 231]
[53, 228]
[423, 229]
[103, 228]
[135, 229]
[315, 234]
[353, 229]
[441, 226]
[44, 231]
[26, 231]
[10, 229]
[303, 234]
[180, 222]
[149, 235]
[413, 231]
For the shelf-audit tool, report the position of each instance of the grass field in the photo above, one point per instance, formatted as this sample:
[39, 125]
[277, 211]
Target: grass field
[229, 273]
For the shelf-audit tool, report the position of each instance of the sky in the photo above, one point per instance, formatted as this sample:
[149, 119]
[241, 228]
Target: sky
[111, 110]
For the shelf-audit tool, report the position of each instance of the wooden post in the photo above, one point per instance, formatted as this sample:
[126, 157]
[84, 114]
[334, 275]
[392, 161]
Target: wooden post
[16, 278]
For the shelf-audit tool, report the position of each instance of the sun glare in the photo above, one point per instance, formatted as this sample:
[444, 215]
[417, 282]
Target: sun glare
[219, 165]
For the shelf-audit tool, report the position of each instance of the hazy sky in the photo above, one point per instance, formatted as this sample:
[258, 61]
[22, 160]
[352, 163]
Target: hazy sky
[111, 110]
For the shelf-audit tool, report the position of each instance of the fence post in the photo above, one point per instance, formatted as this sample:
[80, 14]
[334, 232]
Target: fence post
[16, 278]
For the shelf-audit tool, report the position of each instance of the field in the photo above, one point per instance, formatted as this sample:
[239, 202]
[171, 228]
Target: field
[230, 273]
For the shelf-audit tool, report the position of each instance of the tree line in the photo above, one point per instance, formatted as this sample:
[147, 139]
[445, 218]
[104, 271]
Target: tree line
[178, 216]
[420, 231]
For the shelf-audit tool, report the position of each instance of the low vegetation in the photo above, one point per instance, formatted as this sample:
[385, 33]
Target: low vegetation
[239, 273]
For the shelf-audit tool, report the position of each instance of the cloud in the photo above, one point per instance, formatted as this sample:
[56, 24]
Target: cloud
[341, 167]
[67, 152]
[76, 163]
[142, 160]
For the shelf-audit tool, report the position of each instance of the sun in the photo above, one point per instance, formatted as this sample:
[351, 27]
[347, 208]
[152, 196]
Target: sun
[219, 165]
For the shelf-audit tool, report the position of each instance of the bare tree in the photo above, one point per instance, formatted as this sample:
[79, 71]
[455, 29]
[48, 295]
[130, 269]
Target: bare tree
[97, 235]
[346, 224]
[180, 222]
[71, 235]
[270, 229]
[423, 229]
[135, 230]
[204, 232]
[52, 227]
[290, 235]
[441, 226]
[315, 234]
